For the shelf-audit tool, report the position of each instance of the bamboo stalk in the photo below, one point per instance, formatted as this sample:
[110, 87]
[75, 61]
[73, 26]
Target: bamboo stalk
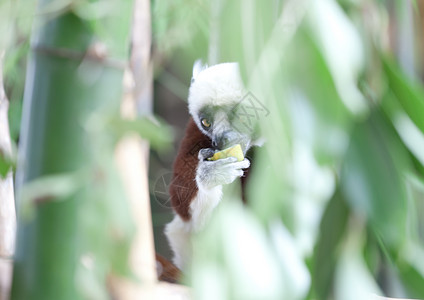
[62, 90]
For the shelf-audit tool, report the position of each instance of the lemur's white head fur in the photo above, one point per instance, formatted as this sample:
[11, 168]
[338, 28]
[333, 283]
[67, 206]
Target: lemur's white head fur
[217, 85]
[215, 103]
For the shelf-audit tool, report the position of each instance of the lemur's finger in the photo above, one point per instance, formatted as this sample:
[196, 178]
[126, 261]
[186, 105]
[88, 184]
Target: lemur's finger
[205, 153]
[229, 176]
[235, 173]
[225, 161]
[244, 164]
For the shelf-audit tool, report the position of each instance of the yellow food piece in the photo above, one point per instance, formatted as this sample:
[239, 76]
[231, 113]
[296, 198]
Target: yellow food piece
[234, 151]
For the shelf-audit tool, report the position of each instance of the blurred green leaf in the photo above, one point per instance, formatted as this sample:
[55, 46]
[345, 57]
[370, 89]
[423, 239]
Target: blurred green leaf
[236, 246]
[353, 280]
[6, 164]
[332, 230]
[90, 10]
[372, 252]
[323, 92]
[50, 187]
[412, 279]
[328, 121]
[176, 23]
[156, 132]
[270, 185]
[15, 116]
[372, 177]
[411, 135]
[344, 58]
[415, 189]
[5, 18]
[410, 95]
[88, 281]
[47, 188]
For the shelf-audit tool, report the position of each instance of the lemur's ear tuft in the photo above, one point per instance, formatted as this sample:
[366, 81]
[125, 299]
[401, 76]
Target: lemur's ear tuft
[197, 68]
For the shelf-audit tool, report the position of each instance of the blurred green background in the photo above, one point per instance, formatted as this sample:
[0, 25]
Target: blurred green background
[336, 197]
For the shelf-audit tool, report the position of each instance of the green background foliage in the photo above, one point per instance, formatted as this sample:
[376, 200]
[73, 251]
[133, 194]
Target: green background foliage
[336, 195]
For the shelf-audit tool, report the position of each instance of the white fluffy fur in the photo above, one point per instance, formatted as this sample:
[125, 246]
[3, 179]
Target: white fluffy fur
[217, 85]
[179, 232]
[203, 205]
[198, 67]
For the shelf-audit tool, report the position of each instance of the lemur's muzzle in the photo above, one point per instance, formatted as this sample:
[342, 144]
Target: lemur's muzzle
[230, 138]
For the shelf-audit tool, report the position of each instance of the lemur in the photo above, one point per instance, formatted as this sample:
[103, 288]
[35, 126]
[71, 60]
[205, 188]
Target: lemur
[216, 122]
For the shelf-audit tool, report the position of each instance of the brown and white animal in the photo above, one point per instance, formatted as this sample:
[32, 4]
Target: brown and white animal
[217, 122]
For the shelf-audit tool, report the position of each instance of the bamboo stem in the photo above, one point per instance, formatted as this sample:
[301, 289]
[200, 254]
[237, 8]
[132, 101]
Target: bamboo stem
[61, 96]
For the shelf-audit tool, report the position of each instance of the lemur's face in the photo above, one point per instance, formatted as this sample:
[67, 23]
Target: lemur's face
[216, 105]
[226, 126]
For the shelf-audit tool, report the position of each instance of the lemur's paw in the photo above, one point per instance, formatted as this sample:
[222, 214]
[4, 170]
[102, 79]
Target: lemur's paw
[219, 172]
[244, 164]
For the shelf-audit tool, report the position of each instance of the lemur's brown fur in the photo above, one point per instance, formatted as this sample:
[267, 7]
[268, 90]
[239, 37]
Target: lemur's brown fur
[167, 271]
[183, 187]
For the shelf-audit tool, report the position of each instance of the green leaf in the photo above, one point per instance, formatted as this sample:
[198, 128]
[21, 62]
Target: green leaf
[270, 185]
[315, 79]
[352, 278]
[48, 188]
[372, 178]
[156, 132]
[409, 94]
[15, 116]
[323, 114]
[238, 248]
[332, 229]
[6, 164]
[413, 280]
[372, 252]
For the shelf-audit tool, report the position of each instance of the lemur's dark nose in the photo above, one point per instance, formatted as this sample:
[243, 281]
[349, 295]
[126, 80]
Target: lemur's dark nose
[226, 139]
[214, 143]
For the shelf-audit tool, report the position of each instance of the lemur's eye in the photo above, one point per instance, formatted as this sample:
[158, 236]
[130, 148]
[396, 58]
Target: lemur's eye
[205, 123]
